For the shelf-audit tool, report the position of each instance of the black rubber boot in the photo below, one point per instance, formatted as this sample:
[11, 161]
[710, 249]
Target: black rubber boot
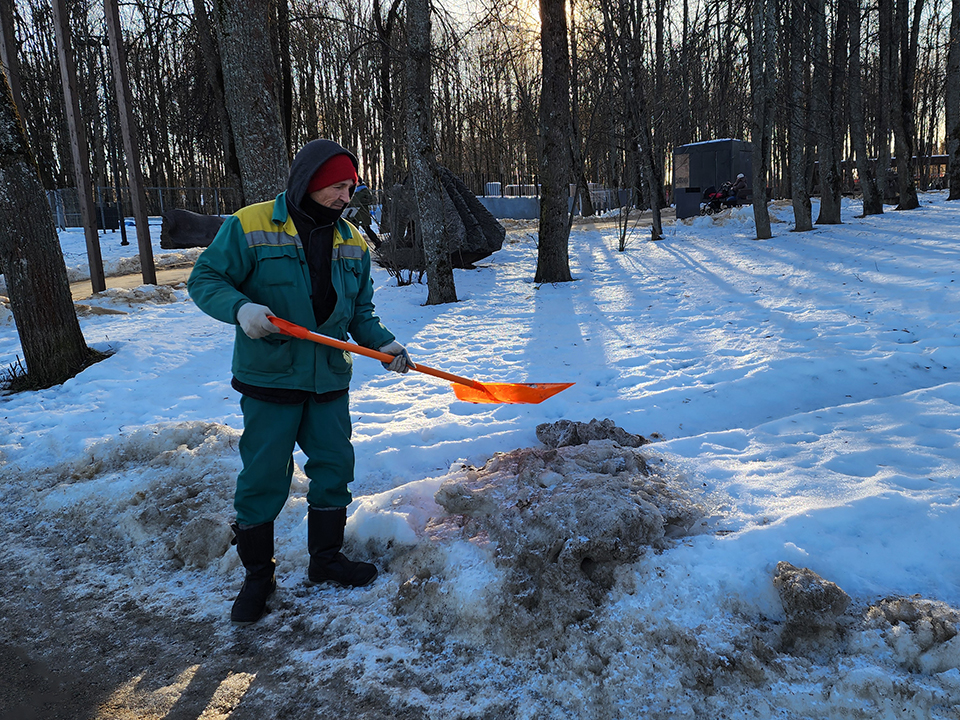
[327, 563]
[255, 548]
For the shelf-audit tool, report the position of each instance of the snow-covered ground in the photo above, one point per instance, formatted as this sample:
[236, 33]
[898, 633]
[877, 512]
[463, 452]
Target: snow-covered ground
[806, 389]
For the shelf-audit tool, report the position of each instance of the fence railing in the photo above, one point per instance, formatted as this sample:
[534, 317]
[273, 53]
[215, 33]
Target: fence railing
[65, 203]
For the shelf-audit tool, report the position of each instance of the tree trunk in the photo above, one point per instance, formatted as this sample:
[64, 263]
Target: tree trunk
[825, 117]
[953, 102]
[8, 52]
[886, 92]
[384, 33]
[422, 157]
[655, 118]
[908, 68]
[53, 346]
[79, 147]
[799, 115]
[904, 56]
[583, 198]
[282, 52]
[763, 64]
[252, 93]
[556, 153]
[643, 141]
[131, 139]
[872, 197]
[211, 63]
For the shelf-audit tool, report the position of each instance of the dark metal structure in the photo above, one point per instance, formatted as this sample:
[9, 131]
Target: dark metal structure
[701, 165]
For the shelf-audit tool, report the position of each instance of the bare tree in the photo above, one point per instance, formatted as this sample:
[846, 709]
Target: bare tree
[903, 39]
[872, 196]
[422, 157]
[827, 83]
[638, 119]
[556, 153]
[643, 142]
[385, 29]
[953, 102]
[349, 83]
[763, 63]
[253, 95]
[53, 346]
[8, 51]
[799, 115]
[214, 75]
[583, 197]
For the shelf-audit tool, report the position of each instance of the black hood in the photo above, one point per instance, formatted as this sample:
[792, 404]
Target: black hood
[314, 154]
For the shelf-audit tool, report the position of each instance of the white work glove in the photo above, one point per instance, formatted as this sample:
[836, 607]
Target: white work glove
[401, 362]
[253, 319]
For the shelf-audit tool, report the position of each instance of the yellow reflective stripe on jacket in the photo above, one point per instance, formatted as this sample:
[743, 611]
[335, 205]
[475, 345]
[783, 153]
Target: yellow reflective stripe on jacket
[353, 246]
[260, 229]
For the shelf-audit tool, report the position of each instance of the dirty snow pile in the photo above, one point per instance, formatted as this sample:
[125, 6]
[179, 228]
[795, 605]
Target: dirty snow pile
[747, 506]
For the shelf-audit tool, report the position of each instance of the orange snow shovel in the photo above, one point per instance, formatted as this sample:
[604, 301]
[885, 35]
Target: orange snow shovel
[464, 388]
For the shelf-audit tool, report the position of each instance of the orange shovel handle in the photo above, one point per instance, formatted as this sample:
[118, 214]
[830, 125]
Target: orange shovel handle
[297, 331]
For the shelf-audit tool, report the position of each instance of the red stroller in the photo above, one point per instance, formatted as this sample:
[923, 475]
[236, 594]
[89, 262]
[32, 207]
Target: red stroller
[713, 200]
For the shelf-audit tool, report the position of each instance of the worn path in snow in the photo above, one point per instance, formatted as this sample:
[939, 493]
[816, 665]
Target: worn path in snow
[82, 289]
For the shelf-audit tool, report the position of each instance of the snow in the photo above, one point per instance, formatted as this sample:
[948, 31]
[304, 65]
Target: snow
[806, 387]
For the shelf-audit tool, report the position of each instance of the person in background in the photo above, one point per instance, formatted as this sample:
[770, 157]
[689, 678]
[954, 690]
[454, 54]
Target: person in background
[294, 258]
[359, 212]
[738, 191]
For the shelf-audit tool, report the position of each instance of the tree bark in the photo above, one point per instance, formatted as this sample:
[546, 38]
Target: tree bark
[886, 91]
[53, 346]
[211, 64]
[131, 140]
[8, 51]
[643, 143]
[797, 131]
[904, 58]
[825, 112]
[556, 153]
[79, 148]
[385, 32]
[252, 92]
[583, 198]
[953, 102]
[872, 197]
[763, 64]
[422, 157]
[282, 53]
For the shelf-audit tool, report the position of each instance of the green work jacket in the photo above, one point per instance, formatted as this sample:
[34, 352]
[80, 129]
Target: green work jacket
[257, 257]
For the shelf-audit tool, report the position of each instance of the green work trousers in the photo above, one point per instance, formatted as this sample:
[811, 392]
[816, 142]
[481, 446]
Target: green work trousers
[270, 430]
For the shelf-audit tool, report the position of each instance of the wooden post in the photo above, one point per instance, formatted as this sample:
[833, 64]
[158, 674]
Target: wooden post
[78, 146]
[131, 140]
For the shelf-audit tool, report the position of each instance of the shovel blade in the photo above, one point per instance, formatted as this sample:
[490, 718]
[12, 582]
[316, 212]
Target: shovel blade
[509, 393]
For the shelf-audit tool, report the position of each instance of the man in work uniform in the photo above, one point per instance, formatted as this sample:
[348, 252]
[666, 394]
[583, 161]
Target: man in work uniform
[296, 259]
